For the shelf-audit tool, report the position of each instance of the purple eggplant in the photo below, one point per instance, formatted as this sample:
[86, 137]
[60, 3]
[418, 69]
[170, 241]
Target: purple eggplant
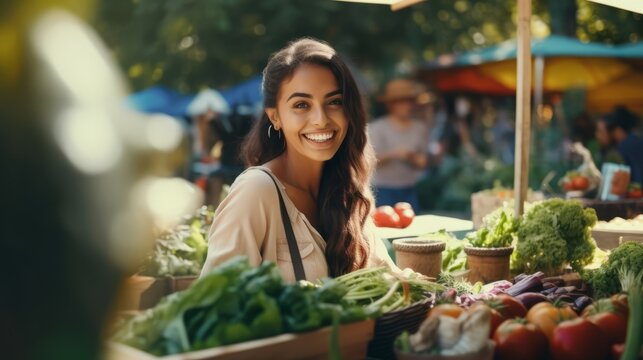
[565, 290]
[548, 285]
[560, 297]
[556, 280]
[531, 298]
[519, 277]
[582, 302]
[530, 283]
[549, 291]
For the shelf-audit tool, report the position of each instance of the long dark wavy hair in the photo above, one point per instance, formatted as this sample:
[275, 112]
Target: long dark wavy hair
[345, 198]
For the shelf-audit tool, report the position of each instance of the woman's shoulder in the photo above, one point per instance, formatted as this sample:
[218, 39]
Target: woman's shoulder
[255, 182]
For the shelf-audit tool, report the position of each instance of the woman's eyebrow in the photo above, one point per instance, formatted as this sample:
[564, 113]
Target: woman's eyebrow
[305, 95]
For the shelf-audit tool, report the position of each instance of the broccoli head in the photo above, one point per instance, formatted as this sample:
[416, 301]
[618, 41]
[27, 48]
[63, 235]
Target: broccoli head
[552, 234]
[604, 281]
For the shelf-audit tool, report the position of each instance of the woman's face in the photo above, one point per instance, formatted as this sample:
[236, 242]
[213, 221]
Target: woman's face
[310, 113]
[602, 134]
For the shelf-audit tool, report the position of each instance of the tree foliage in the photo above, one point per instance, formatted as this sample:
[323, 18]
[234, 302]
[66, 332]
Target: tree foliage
[189, 44]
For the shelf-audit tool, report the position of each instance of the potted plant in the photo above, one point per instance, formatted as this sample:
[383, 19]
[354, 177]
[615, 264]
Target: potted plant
[490, 247]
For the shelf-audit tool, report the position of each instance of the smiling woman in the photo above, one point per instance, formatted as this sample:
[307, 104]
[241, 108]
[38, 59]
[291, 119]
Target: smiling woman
[311, 143]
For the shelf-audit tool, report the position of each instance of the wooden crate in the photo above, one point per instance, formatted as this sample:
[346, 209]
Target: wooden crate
[353, 340]
[163, 287]
[143, 292]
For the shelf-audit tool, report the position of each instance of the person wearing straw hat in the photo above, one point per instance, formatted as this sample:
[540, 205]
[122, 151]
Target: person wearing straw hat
[400, 143]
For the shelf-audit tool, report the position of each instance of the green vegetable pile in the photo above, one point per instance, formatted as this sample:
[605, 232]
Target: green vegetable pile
[234, 303]
[552, 234]
[604, 281]
[498, 230]
[376, 289]
[182, 250]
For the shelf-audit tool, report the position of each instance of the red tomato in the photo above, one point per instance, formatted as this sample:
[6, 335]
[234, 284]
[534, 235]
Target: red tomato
[510, 307]
[578, 339]
[617, 351]
[496, 317]
[405, 211]
[517, 339]
[567, 186]
[580, 183]
[402, 206]
[610, 319]
[406, 217]
[385, 216]
[635, 194]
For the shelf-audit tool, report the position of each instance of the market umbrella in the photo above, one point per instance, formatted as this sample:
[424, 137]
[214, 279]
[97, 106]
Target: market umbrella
[627, 91]
[561, 63]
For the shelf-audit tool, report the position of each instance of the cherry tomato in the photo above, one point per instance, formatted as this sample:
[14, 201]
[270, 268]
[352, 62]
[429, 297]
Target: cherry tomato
[547, 315]
[518, 339]
[578, 339]
[451, 310]
[385, 216]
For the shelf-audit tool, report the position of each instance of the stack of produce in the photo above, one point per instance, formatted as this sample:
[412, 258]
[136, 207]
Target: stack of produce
[377, 288]
[604, 281]
[182, 250]
[234, 303]
[535, 319]
[553, 234]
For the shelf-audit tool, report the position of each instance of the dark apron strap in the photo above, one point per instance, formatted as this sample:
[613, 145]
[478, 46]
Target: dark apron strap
[295, 256]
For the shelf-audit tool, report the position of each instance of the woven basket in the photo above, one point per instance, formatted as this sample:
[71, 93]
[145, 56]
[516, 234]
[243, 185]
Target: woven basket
[390, 325]
[488, 264]
[421, 255]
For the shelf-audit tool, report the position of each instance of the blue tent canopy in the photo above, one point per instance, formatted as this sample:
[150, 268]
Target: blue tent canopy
[552, 46]
[160, 99]
[245, 93]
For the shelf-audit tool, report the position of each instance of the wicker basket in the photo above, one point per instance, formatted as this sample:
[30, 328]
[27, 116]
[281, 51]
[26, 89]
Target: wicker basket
[390, 325]
[488, 264]
[420, 254]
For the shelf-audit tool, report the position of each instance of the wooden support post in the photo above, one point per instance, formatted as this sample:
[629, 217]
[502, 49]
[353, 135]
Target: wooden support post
[523, 106]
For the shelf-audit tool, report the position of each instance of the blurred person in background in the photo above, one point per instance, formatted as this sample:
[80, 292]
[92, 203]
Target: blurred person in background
[400, 143]
[217, 133]
[607, 149]
[620, 125]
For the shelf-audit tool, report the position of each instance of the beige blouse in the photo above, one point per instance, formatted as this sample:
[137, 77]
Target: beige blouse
[248, 222]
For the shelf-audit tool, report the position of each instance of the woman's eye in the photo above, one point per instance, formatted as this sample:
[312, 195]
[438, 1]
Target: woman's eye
[337, 101]
[301, 105]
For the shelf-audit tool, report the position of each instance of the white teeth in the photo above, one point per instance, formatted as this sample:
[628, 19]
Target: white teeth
[319, 137]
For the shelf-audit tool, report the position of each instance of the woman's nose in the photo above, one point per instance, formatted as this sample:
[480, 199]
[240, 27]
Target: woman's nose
[319, 117]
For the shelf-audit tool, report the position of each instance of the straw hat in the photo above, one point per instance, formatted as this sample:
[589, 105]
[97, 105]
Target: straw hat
[403, 89]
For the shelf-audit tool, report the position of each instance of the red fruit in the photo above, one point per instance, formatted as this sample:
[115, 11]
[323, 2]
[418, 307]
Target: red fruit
[517, 339]
[611, 319]
[580, 183]
[402, 206]
[510, 307]
[578, 339]
[405, 212]
[385, 216]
